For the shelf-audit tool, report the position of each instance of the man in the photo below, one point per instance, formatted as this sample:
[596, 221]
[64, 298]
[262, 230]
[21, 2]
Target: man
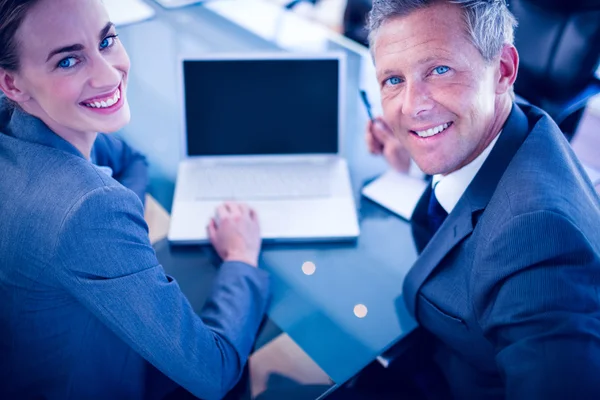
[508, 277]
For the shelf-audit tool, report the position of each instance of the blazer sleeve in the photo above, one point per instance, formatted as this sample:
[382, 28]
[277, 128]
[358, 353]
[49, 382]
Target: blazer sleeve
[106, 262]
[129, 166]
[543, 313]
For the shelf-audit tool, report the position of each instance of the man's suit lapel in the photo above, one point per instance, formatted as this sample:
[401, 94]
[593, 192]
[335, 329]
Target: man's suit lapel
[460, 222]
[456, 227]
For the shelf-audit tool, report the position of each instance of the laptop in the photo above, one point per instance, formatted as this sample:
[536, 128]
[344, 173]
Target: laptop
[265, 129]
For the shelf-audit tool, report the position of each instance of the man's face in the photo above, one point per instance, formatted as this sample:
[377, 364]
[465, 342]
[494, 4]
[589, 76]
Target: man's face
[81, 88]
[438, 93]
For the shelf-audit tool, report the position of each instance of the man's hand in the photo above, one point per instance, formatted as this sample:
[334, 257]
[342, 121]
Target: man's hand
[235, 233]
[381, 140]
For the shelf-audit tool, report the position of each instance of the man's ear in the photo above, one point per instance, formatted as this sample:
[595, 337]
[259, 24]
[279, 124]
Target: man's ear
[10, 85]
[508, 67]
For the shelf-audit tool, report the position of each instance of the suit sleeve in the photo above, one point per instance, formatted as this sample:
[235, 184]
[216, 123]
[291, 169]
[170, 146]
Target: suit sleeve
[107, 263]
[543, 315]
[129, 166]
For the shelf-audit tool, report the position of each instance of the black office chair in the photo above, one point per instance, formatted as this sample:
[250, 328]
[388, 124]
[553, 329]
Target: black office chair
[559, 48]
[355, 20]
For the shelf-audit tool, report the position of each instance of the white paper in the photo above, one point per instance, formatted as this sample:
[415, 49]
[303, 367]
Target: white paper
[177, 3]
[123, 12]
[593, 174]
[397, 192]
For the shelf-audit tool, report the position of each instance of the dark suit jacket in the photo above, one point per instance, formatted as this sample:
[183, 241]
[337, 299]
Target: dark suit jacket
[86, 310]
[129, 167]
[509, 285]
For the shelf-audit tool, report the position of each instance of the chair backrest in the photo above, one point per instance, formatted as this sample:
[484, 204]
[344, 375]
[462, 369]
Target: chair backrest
[355, 20]
[559, 47]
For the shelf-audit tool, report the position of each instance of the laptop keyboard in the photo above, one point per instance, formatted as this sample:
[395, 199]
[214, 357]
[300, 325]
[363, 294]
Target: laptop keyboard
[255, 182]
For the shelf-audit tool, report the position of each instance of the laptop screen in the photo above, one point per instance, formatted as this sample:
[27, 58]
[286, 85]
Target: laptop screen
[261, 106]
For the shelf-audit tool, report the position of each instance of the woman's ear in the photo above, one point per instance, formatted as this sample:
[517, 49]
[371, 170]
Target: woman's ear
[11, 86]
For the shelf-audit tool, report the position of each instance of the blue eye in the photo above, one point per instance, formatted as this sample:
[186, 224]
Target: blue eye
[394, 80]
[442, 69]
[108, 41]
[67, 63]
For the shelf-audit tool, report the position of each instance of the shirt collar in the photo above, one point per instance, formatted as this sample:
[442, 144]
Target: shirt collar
[450, 188]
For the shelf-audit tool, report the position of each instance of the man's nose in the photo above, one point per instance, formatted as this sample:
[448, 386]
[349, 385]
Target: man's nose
[417, 99]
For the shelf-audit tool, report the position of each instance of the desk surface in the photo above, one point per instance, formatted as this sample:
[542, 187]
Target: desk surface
[316, 311]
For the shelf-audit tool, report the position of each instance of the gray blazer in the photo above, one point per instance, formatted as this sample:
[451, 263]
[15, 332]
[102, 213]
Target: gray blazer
[509, 285]
[86, 310]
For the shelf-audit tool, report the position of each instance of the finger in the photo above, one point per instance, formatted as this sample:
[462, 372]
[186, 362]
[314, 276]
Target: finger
[381, 131]
[249, 213]
[253, 214]
[212, 230]
[235, 209]
[221, 211]
[255, 220]
[373, 145]
[244, 209]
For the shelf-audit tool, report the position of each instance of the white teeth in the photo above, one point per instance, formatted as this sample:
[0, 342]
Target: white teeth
[432, 131]
[106, 103]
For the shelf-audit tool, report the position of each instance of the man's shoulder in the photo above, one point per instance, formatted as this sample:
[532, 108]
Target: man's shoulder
[544, 163]
[545, 175]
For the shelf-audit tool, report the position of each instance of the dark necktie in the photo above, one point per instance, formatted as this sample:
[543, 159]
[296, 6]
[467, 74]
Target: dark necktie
[435, 213]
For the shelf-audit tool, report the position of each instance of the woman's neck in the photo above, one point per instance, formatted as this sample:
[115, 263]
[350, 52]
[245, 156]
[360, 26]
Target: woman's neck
[82, 141]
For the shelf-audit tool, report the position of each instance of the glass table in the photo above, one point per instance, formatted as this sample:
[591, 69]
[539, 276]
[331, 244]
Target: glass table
[350, 310]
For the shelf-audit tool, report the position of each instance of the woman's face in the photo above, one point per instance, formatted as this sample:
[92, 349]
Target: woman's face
[73, 69]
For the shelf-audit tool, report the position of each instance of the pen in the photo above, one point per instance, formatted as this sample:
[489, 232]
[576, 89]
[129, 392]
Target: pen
[365, 100]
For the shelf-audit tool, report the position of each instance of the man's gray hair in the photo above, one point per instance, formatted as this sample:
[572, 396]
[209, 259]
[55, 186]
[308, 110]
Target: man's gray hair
[489, 23]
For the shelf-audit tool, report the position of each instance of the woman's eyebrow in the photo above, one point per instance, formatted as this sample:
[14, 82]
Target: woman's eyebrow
[78, 47]
[66, 49]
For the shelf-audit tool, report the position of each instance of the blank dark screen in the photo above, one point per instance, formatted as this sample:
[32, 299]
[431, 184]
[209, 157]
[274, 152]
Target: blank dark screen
[246, 107]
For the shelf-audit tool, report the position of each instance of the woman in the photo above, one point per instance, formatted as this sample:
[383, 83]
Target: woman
[86, 310]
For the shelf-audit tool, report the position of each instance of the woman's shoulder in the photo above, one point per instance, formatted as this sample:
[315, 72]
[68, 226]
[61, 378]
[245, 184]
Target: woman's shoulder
[48, 183]
[44, 191]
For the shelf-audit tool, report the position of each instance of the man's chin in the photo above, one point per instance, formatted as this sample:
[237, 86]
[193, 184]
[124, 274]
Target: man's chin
[430, 167]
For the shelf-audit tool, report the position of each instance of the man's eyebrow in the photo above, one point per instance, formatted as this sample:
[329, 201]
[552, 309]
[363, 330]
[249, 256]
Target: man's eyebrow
[388, 72]
[79, 47]
[422, 61]
[433, 57]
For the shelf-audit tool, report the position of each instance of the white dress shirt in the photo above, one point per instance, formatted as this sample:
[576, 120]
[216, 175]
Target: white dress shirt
[450, 188]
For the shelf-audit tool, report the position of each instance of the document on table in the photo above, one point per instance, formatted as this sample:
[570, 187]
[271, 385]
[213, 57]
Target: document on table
[124, 12]
[593, 174]
[397, 192]
[177, 3]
